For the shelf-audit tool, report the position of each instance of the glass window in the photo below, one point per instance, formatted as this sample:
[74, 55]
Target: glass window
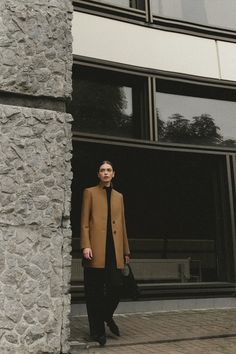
[216, 13]
[191, 119]
[105, 102]
[135, 4]
[181, 212]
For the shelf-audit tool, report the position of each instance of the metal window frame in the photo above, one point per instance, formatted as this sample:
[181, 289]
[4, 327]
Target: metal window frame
[159, 74]
[152, 76]
[143, 118]
[231, 177]
[111, 11]
[194, 29]
[148, 19]
[152, 144]
[230, 167]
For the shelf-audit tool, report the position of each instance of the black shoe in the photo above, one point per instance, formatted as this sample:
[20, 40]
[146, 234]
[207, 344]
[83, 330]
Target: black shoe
[113, 327]
[100, 339]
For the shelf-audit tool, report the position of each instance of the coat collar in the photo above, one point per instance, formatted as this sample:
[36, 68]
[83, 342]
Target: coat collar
[100, 186]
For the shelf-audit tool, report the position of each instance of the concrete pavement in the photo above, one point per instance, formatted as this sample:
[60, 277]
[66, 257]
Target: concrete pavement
[175, 332]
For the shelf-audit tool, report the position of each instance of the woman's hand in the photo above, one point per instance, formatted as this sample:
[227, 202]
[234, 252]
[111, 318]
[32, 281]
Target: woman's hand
[87, 253]
[126, 259]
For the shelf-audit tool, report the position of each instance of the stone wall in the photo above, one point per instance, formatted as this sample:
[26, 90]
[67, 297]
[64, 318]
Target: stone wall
[35, 177]
[35, 47]
[34, 229]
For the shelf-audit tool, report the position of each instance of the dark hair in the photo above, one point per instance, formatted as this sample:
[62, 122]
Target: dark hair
[105, 161]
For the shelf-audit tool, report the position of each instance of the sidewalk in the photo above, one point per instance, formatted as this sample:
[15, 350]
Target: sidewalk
[176, 332]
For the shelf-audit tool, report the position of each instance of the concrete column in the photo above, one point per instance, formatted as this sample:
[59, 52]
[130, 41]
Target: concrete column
[35, 175]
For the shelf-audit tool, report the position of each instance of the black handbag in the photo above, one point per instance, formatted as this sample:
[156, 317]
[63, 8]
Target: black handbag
[130, 289]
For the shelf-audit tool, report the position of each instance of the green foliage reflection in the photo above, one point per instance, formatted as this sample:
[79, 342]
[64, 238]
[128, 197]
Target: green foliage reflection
[201, 130]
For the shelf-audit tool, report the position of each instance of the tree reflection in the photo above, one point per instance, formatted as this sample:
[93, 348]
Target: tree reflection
[229, 143]
[101, 108]
[177, 128]
[199, 130]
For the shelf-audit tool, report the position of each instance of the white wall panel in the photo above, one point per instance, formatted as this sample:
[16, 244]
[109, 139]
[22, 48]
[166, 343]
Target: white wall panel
[116, 41]
[227, 59]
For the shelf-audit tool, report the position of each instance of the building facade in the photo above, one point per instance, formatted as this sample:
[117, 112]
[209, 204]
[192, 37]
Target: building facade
[154, 90]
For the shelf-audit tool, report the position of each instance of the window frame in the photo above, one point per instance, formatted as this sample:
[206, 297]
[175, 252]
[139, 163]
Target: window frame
[148, 19]
[195, 29]
[190, 89]
[229, 154]
[142, 124]
[152, 76]
[112, 11]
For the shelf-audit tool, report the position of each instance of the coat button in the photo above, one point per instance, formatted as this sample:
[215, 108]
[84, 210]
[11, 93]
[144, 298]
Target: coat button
[114, 232]
[113, 221]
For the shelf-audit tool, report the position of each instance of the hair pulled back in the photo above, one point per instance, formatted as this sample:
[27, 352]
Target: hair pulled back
[102, 163]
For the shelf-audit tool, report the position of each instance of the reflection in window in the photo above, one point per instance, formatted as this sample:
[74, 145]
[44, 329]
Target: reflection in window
[195, 120]
[216, 13]
[105, 103]
[196, 196]
[135, 4]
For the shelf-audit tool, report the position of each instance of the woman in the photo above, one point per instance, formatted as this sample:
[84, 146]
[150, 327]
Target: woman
[105, 248]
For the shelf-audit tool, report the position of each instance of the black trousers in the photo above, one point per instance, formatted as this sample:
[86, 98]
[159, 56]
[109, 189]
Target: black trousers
[102, 293]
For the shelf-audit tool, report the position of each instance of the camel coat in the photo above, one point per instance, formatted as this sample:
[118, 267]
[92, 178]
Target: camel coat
[94, 226]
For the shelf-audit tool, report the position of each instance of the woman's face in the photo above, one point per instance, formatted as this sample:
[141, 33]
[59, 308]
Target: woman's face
[106, 173]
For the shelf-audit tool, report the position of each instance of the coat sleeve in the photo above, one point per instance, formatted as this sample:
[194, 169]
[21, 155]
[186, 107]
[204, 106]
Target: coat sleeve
[125, 238]
[85, 218]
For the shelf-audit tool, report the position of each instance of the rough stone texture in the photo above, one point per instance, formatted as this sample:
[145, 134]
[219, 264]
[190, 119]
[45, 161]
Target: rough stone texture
[35, 178]
[36, 47]
[35, 236]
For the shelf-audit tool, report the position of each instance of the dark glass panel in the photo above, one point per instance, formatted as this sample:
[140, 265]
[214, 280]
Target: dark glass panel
[176, 204]
[107, 103]
[216, 13]
[135, 4]
[196, 120]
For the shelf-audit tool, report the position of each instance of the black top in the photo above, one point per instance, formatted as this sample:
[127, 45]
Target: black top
[113, 275]
[110, 248]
